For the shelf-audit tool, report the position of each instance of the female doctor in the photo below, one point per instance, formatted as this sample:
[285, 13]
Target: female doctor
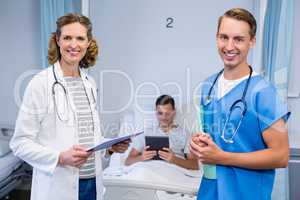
[58, 120]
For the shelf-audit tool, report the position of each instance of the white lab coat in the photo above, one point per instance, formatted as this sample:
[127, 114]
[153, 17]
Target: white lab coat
[40, 136]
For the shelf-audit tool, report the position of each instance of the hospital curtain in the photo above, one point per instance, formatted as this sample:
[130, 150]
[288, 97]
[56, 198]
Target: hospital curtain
[50, 11]
[277, 43]
[277, 52]
[259, 10]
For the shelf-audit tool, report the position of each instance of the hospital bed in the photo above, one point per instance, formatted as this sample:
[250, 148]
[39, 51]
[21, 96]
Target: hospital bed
[151, 180]
[11, 167]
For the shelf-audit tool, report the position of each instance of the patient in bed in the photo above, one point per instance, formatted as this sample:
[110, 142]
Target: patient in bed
[178, 152]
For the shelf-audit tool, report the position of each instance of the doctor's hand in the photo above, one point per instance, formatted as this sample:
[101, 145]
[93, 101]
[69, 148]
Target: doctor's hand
[204, 148]
[76, 156]
[199, 138]
[120, 147]
[167, 155]
[199, 142]
[147, 155]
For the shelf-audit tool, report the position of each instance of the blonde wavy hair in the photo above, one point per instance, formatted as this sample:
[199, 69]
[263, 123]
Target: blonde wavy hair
[92, 51]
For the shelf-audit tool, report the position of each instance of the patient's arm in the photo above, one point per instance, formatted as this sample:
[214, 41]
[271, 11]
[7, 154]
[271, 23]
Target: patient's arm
[136, 156]
[189, 163]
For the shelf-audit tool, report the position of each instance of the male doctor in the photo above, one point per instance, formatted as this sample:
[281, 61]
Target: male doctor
[244, 120]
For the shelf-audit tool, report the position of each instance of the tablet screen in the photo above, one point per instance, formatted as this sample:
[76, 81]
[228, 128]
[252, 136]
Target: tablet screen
[156, 143]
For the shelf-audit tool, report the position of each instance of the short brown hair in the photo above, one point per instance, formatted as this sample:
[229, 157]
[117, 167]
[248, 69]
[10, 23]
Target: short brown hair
[92, 51]
[241, 15]
[164, 100]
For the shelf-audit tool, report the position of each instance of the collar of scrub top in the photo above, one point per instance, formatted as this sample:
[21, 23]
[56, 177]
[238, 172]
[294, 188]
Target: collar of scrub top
[234, 104]
[208, 98]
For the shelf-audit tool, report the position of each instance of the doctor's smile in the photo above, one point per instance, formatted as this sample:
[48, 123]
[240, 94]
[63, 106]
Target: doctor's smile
[73, 42]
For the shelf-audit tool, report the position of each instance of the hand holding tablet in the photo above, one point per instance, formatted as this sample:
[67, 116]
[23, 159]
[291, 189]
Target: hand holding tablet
[156, 143]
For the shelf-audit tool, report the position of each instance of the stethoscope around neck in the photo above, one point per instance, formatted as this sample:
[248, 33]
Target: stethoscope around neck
[59, 84]
[240, 104]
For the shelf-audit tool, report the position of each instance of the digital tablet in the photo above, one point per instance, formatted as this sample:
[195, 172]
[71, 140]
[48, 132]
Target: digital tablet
[156, 143]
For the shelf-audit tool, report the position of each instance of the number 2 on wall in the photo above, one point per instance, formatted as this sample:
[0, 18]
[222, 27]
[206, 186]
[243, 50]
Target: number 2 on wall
[170, 21]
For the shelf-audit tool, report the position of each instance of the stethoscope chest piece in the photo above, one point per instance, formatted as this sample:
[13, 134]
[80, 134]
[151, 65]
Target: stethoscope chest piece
[207, 100]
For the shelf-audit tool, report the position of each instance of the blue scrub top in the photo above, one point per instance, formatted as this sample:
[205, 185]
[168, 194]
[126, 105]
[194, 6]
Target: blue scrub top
[264, 107]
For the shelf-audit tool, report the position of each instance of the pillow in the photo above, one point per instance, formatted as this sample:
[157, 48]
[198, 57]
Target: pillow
[4, 147]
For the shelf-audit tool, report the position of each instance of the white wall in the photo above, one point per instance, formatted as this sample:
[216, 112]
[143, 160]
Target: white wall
[20, 50]
[133, 38]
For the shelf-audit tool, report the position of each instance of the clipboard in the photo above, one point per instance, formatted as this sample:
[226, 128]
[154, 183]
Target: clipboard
[108, 142]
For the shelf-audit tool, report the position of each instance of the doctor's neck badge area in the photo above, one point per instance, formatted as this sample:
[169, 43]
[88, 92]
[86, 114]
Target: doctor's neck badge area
[60, 112]
[239, 106]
